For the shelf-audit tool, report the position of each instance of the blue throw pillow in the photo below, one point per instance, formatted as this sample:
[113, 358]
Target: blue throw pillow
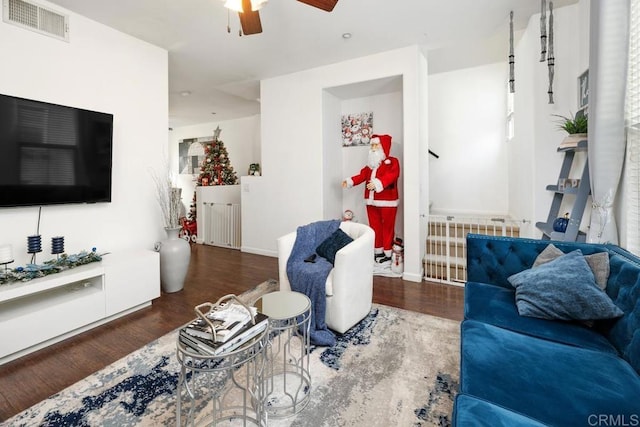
[332, 244]
[563, 289]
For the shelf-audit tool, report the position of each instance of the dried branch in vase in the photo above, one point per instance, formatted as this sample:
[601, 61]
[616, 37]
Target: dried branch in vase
[169, 198]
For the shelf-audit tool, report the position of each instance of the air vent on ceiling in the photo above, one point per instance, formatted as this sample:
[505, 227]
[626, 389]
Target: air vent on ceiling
[34, 17]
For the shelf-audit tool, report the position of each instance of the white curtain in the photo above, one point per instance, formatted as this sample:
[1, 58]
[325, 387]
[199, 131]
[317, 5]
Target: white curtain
[609, 29]
[632, 166]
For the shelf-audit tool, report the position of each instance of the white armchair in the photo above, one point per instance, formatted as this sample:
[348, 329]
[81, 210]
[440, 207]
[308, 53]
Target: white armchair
[349, 287]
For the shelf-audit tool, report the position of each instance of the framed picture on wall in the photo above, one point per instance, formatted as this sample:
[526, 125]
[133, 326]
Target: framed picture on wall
[356, 129]
[191, 155]
[583, 90]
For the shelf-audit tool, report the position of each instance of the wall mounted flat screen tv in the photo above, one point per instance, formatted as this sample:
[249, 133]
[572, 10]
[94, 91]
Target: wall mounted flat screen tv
[52, 154]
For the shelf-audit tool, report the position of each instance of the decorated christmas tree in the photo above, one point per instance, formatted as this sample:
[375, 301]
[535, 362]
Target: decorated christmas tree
[216, 167]
[192, 214]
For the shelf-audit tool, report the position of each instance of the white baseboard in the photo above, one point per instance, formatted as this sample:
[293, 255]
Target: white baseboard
[410, 277]
[258, 251]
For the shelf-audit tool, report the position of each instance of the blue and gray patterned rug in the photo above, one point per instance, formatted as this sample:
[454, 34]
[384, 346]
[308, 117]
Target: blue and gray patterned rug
[394, 368]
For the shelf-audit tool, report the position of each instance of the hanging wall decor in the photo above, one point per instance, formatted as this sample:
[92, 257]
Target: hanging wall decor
[191, 154]
[543, 30]
[512, 88]
[550, 56]
[356, 129]
[583, 92]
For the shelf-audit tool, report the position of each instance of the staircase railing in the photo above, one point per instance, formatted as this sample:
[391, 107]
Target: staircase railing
[445, 260]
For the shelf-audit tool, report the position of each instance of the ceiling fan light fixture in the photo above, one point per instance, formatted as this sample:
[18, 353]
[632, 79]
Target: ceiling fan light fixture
[257, 4]
[236, 5]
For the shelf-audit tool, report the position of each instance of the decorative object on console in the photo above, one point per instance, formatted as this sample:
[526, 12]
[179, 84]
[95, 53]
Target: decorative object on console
[34, 245]
[34, 271]
[6, 256]
[57, 245]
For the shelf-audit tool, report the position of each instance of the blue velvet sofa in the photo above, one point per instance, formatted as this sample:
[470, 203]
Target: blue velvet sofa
[526, 371]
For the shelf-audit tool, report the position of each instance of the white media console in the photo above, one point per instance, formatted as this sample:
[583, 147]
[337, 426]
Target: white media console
[43, 311]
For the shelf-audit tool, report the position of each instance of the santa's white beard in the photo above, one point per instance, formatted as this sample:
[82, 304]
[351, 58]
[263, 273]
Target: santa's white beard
[375, 158]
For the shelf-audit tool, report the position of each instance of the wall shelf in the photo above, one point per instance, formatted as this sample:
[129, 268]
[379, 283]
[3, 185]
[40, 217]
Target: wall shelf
[580, 194]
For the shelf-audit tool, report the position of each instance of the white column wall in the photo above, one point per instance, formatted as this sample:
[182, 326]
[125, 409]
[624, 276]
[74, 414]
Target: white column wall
[104, 70]
[291, 190]
[467, 110]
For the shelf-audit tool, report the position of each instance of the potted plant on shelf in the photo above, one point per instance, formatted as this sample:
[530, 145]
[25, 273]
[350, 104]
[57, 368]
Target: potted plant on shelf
[576, 128]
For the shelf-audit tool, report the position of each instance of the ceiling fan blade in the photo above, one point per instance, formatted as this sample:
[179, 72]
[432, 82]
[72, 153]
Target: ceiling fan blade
[326, 5]
[249, 20]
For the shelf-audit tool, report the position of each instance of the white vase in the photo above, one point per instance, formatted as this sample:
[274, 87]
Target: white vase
[175, 254]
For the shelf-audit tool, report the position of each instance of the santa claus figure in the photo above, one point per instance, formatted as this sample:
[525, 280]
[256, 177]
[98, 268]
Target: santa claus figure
[380, 193]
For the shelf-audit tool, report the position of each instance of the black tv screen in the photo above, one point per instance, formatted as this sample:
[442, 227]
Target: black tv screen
[52, 154]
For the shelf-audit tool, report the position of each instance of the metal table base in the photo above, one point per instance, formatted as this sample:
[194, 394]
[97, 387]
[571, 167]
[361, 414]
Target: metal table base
[287, 376]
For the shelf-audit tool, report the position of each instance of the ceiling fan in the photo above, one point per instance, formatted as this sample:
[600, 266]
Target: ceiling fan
[250, 17]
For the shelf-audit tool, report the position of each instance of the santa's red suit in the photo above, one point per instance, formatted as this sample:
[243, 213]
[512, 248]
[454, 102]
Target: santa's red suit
[382, 202]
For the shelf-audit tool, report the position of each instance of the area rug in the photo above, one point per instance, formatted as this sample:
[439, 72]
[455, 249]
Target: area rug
[395, 367]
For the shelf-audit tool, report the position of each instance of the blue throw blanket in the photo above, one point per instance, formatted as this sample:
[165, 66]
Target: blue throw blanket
[310, 278]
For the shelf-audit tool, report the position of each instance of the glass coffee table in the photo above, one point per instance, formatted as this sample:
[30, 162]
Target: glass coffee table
[287, 378]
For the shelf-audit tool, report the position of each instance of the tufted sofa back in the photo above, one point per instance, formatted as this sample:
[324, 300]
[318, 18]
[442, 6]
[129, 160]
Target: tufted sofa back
[624, 289]
[493, 259]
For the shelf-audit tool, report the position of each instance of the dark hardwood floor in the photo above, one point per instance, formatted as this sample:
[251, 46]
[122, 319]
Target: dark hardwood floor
[213, 272]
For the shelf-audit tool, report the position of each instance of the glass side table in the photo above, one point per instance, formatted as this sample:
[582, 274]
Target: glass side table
[287, 378]
[226, 389]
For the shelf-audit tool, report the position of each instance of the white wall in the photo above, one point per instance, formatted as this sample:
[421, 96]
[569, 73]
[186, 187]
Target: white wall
[103, 70]
[533, 157]
[241, 138]
[292, 188]
[467, 110]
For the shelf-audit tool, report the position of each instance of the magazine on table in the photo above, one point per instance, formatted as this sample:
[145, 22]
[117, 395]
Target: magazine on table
[227, 320]
[207, 346]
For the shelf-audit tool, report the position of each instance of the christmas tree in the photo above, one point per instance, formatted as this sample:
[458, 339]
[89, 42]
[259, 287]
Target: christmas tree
[216, 168]
[192, 214]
